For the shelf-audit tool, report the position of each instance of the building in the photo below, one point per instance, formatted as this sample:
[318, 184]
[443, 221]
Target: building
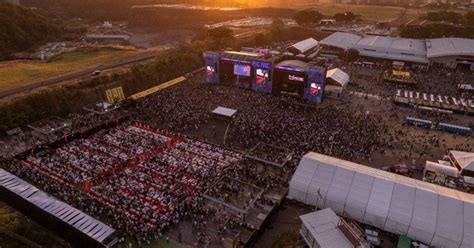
[452, 52]
[393, 49]
[430, 213]
[338, 43]
[321, 229]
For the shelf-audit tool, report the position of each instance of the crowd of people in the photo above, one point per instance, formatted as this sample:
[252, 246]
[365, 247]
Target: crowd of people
[280, 121]
[142, 178]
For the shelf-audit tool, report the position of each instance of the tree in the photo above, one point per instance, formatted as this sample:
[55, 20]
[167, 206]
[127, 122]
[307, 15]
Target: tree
[352, 55]
[345, 17]
[307, 17]
[260, 40]
[468, 19]
[221, 36]
[277, 28]
[444, 16]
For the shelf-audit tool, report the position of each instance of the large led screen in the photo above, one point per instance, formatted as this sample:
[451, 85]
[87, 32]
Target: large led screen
[242, 70]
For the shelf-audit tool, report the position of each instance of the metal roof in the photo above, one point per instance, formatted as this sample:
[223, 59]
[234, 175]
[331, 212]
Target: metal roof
[449, 47]
[384, 47]
[75, 218]
[430, 213]
[323, 226]
[305, 45]
[341, 40]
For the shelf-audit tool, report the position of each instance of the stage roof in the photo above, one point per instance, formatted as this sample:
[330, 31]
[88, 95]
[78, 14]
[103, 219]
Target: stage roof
[246, 57]
[75, 218]
[450, 47]
[341, 40]
[338, 76]
[323, 226]
[296, 64]
[227, 112]
[305, 45]
[433, 214]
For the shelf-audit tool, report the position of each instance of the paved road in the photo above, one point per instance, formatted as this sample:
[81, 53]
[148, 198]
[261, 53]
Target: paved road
[85, 72]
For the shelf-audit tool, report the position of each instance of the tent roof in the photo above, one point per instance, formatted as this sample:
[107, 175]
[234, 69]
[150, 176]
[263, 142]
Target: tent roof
[464, 159]
[323, 226]
[305, 45]
[338, 76]
[227, 112]
[422, 211]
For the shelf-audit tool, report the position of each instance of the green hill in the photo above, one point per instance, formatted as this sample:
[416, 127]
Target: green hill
[21, 29]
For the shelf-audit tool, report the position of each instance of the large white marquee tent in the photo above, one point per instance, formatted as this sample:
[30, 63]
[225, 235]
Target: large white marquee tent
[435, 215]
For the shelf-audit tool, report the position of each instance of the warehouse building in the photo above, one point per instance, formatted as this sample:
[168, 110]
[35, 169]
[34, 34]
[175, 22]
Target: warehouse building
[393, 49]
[452, 52]
[338, 43]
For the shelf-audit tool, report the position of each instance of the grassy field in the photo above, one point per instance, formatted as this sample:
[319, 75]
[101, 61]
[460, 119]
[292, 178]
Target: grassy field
[367, 12]
[17, 73]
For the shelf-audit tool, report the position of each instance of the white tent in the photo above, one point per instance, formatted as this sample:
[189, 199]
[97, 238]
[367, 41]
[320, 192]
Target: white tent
[433, 214]
[338, 76]
[305, 45]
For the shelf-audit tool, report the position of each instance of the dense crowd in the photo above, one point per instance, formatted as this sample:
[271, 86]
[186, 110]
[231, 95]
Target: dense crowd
[142, 178]
[282, 121]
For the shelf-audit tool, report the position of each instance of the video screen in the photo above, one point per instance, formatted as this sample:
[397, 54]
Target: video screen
[261, 76]
[315, 89]
[242, 70]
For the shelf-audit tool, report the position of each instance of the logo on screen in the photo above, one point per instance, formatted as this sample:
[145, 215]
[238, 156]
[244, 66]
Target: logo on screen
[210, 71]
[295, 78]
[262, 76]
[315, 88]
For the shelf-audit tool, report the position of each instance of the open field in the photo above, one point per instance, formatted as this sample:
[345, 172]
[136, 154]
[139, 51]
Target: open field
[367, 12]
[19, 73]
